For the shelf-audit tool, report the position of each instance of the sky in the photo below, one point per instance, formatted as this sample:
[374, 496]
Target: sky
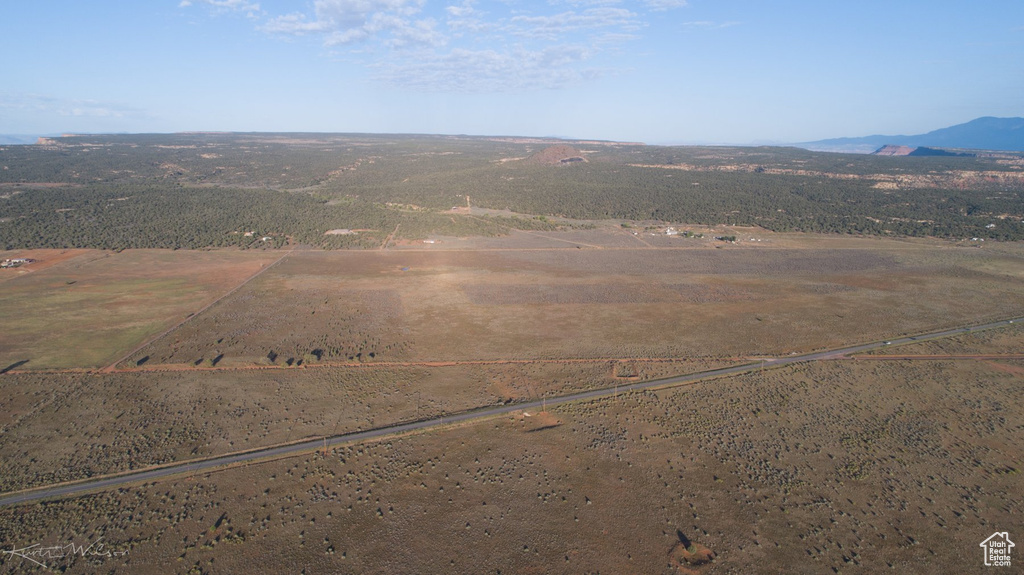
[654, 71]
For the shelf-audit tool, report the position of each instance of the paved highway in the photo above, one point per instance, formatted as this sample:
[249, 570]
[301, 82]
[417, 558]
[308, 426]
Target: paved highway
[191, 467]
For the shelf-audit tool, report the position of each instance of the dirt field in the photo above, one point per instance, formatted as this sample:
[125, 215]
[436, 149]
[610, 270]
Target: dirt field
[516, 303]
[829, 467]
[88, 310]
[43, 259]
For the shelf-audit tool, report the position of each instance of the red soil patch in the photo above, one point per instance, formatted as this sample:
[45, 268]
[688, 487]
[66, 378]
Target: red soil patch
[528, 421]
[689, 559]
[557, 155]
[1011, 369]
[44, 258]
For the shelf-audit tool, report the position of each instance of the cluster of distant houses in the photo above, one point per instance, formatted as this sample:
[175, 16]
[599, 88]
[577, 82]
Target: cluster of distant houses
[263, 239]
[15, 262]
[685, 234]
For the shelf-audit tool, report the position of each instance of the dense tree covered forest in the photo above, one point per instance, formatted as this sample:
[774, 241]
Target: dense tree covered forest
[266, 190]
[175, 217]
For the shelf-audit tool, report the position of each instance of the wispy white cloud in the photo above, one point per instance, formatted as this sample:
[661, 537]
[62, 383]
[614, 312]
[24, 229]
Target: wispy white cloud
[558, 25]
[350, 21]
[408, 33]
[589, 3]
[468, 45]
[708, 25]
[225, 5]
[665, 4]
[464, 10]
[492, 71]
[332, 16]
[466, 19]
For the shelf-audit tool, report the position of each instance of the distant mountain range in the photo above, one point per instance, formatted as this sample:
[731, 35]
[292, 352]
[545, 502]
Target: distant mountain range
[988, 133]
[1001, 134]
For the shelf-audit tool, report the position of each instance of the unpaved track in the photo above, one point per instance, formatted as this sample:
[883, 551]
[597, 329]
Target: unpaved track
[166, 367]
[572, 242]
[112, 367]
[390, 238]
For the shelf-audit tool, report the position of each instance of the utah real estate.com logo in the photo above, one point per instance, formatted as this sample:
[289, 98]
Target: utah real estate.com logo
[997, 549]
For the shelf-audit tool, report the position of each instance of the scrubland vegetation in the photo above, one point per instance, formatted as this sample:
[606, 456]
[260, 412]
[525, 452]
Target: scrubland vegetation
[811, 469]
[320, 343]
[206, 190]
[558, 279]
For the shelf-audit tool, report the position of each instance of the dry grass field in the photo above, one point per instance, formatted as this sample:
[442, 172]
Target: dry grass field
[836, 466]
[89, 310]
[484, 304]
[832, 467]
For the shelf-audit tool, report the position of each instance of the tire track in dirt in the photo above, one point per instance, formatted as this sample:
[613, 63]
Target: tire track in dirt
[572, 242]
[174, 367]
[113, 367]
[390, 238]
[637, 237]
[1010, 369]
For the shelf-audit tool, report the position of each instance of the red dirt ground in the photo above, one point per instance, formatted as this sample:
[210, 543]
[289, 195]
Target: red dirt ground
[44, 259]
